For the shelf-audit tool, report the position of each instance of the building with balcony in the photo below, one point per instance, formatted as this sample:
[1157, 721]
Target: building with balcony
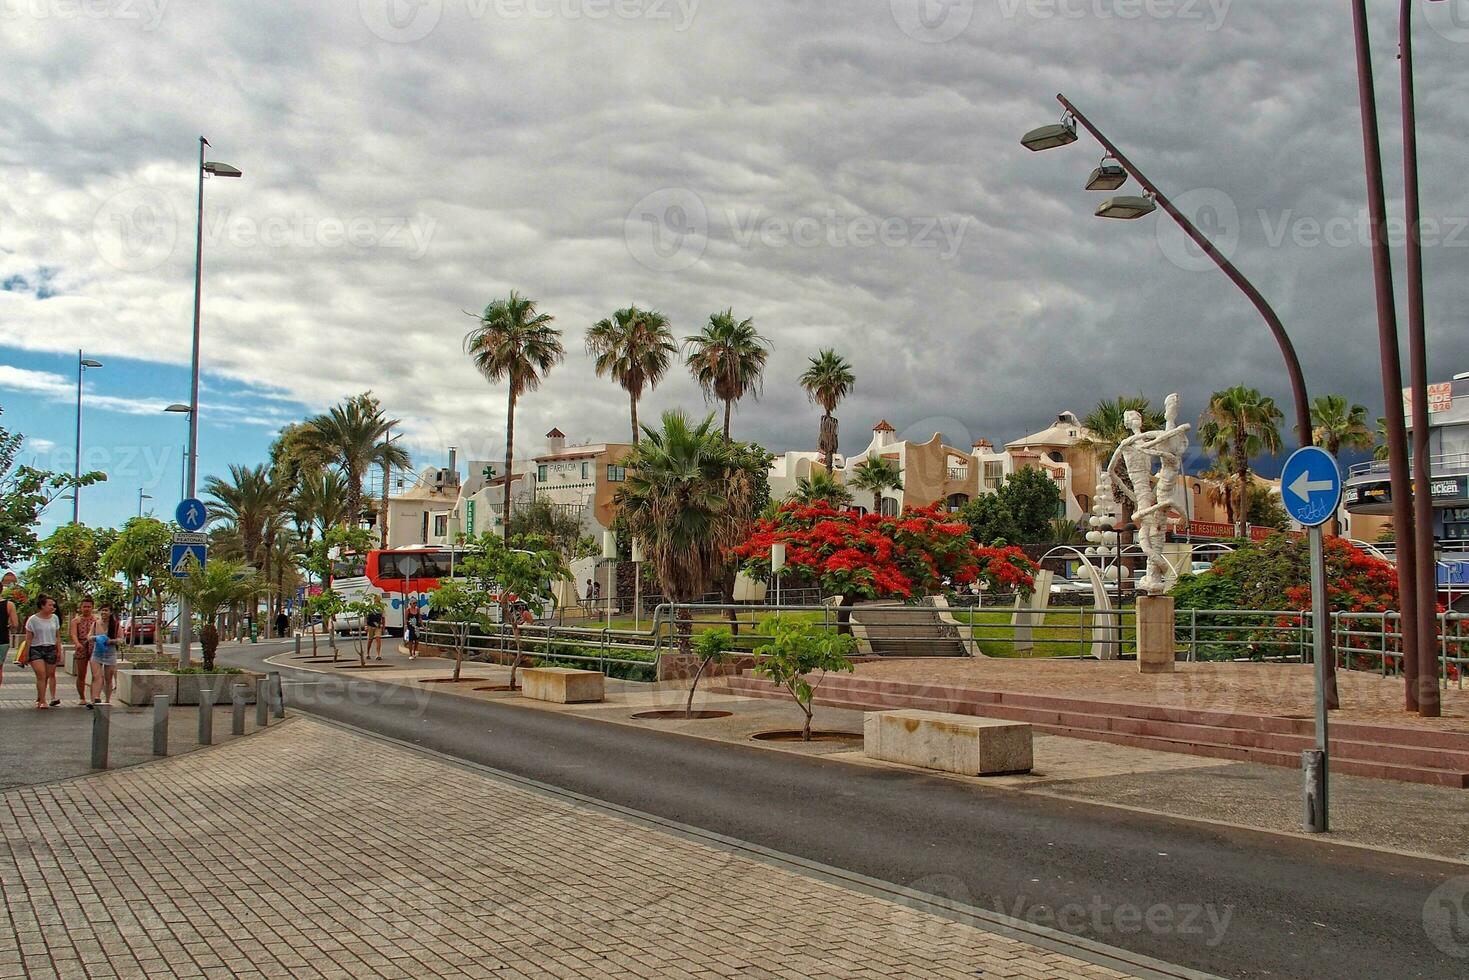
[1368, 491]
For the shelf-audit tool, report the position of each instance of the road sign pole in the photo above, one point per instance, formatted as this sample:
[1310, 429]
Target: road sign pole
[1317, 764]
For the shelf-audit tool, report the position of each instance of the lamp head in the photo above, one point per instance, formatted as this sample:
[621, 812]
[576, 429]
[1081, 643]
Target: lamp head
[216, 169]
[1127, 207]
[1047, 137]
[1107, 177]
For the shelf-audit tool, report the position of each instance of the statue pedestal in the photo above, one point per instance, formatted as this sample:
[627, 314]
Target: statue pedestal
[1155, 634]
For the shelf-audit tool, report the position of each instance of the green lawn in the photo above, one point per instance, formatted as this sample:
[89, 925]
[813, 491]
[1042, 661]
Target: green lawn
[1064, 633]
[748, 621]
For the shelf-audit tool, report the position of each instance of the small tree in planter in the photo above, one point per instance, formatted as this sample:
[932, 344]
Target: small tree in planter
[459, 605]
[328, 605]
[210, 590]
[362, 608]
[711, 647]
[518, 580]
[797, 651]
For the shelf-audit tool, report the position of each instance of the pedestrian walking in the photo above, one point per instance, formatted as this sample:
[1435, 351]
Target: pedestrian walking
[282, 623]
[410, 630]
[375, 631]
[9, 620]
[83, 629]
[43, 630]
[104, 657]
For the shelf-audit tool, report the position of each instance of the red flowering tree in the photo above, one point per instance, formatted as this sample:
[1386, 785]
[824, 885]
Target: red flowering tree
[877, 557]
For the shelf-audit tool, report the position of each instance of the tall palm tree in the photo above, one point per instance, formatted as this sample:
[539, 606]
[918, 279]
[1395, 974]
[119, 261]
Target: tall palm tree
[689, 496]
[635, 347]
[821, 486]
[1339, 425]
[727, 359]
[319, 504]
[353, 437]
[1108, 426]
[1379, 451]
[254, 503]
[827, 381]
[514, 343]
[875, 475]
[1222, 490]
[1240, 423]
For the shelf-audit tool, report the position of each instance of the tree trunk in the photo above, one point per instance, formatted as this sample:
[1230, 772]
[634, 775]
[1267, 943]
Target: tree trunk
[209, 643]
[877, 502]
[509, 455]
[728, 407]
[806, 731]
[827, 441]
[1242, 468]
[515, 664]
[688, 711]
[354, 498]
[684, 620]
[633, 399]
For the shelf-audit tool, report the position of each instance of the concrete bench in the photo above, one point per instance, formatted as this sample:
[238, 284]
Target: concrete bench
[562, 685]
[137, 688]
[950, 743]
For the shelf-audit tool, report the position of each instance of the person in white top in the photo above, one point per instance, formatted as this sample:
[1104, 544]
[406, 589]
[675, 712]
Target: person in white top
[42, 636]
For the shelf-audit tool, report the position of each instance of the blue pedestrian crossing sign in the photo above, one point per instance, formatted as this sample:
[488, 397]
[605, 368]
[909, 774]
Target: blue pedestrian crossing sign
[191, 514]
[184, 558]
[1310, 486]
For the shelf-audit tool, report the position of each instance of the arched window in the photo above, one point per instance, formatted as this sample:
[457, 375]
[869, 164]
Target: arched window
[957, 500]
[889, 507]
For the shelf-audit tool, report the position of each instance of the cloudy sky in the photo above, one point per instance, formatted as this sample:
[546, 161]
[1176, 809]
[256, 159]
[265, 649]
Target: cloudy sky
[846, 173]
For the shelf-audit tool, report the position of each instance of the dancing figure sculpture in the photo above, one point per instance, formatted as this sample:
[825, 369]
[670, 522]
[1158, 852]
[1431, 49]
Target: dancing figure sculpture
[1153, 499]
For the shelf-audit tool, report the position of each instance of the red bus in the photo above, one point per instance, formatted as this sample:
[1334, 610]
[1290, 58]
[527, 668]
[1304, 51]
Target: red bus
[406, 576]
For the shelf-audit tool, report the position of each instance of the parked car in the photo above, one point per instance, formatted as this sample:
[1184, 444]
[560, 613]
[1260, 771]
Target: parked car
[147, 629]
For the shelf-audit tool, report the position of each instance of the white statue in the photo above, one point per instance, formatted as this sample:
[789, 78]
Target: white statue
[1153, 501]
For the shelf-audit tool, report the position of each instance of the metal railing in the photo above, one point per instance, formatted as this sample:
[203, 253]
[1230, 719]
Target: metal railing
[1443, 464]
[1365, 641]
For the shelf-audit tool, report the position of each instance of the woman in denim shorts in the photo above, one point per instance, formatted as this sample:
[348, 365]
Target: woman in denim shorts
[43, 636]
[104, 657]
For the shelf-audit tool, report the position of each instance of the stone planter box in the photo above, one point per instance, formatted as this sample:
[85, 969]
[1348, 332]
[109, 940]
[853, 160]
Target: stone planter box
[221, 687]
[138, 688]
[948, 742]
[561, 685]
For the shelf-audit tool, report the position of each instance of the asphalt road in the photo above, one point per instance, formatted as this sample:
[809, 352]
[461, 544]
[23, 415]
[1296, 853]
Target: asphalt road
[1224, 901]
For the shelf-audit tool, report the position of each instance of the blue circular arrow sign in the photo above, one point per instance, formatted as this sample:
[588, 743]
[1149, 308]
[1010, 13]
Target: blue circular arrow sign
[1310, 486]
[191, 514]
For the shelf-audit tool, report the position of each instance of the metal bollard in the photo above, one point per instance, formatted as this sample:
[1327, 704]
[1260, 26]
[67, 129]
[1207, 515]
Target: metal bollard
[237, 709]
[101, 733]
[160, 724]
[280, 694]
[206, 716]
[298, 644]
[1313, 770]
[262, 702]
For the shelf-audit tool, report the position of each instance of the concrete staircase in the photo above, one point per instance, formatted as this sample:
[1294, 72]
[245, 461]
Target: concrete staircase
[907, 631]
[1415, 755]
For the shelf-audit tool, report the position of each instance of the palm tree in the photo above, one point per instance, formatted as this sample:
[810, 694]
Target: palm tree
[689, 496]
[875, 475]
[827, 381]
[353, 437]
[254, 503]
[727, 360]
[635, 347]
[1379, 450]
[210, 590]
[319, 503]
[1241, 423]
[1221, 491]
[1338, 425]
[517, 344]
[1107, 423]
[821, 486]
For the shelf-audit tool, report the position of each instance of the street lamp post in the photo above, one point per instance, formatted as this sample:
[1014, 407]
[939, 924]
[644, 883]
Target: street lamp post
[1391, 366]
[216, 169]
[76, 491]
[1062, 134]
[142, 497]
[1425, 566]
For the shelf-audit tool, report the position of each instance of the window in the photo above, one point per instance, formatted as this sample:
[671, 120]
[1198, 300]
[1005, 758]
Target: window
[994, 473]
[441, 525]
[889, 507]
[957, 500]
[541, 473]
[615, 473]
[586, 471]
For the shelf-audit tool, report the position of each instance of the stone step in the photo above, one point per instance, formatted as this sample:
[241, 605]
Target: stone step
[1353, 750]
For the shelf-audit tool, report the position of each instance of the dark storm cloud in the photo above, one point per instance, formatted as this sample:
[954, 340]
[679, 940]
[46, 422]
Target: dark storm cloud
[847, 174]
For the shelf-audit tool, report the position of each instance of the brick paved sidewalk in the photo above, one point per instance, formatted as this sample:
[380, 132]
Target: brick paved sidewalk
[308, 851]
